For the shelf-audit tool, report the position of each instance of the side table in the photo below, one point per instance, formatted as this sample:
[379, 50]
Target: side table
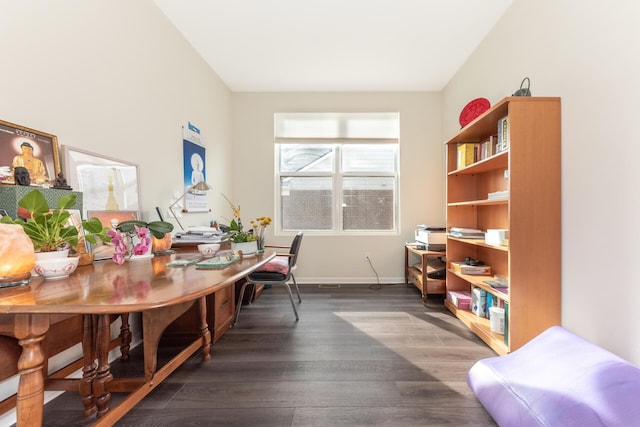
[418, 274]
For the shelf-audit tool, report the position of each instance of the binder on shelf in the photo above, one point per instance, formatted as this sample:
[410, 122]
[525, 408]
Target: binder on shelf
[503, 135]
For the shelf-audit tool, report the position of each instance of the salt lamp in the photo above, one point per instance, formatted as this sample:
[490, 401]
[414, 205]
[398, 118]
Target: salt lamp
[162, 245]
[17, 256]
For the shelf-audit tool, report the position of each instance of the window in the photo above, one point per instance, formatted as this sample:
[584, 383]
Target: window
[337, 173]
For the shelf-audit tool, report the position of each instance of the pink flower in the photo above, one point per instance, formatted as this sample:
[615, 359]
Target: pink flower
[119, 246]
[143, 235]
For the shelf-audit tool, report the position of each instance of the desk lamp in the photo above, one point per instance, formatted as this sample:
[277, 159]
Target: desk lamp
[201, 186]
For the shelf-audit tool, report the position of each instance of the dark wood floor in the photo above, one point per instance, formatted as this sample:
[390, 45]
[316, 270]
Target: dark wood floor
[359, 356]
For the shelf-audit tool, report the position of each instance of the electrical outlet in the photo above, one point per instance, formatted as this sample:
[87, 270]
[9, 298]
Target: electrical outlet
[366, 256]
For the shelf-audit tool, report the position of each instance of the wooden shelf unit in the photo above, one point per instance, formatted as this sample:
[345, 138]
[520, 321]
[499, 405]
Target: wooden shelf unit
[419, 277]
[530, 171]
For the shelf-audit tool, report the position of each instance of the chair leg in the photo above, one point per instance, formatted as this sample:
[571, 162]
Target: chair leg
[293, 304]
[297, 289]
[239, 303]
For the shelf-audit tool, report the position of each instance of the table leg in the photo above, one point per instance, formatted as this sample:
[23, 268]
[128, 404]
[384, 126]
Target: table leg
[406, 266]
[424, 278]
[89, 368]
[125, 336]
[30, 330]
[103, 374]
[204, 329]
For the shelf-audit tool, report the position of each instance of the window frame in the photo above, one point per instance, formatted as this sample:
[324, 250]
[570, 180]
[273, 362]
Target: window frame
[337, 178]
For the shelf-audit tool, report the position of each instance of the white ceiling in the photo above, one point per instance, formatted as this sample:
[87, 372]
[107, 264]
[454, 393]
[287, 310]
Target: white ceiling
[334, 45]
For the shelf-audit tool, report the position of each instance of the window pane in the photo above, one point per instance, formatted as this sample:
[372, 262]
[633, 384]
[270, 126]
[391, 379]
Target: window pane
[368, 203]
[306, 203]
[305, 158]
[369, 158]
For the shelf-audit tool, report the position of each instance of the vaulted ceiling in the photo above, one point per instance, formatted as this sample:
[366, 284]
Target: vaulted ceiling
[334, 45]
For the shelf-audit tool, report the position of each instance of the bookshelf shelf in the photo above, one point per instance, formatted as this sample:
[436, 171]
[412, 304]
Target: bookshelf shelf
[478, 281]
[499, 160]
[486, 202]
[528, 172]
[479, 242]
[480, 327]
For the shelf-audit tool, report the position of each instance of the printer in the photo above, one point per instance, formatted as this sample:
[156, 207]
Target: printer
[433, 238]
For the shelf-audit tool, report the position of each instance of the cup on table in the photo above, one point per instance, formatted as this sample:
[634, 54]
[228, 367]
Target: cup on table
[208, 249]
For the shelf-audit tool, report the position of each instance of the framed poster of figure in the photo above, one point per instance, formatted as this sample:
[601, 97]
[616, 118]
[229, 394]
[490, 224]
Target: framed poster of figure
[194, 172]
[31, 149]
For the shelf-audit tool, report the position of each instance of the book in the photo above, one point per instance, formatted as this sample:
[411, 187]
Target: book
[217, 262]
[477, 270]
[503, 135]
[506, 323]
[466, 154]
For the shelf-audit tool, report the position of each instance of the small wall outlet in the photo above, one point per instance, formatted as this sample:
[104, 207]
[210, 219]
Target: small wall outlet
[366, 256]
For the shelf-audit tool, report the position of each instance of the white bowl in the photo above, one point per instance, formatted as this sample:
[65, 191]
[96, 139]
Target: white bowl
[208, 249]
[56, 268]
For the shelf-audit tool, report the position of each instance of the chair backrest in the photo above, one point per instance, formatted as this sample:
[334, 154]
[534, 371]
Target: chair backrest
[295, 247]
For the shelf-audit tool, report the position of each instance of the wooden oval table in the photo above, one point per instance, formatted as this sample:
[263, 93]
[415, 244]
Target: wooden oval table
[98, 292]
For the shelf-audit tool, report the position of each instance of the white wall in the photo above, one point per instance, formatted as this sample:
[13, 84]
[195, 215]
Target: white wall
[114, 77]
[583, 52]
[340, 259]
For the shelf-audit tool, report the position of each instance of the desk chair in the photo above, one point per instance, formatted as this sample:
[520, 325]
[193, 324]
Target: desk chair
[278, 271]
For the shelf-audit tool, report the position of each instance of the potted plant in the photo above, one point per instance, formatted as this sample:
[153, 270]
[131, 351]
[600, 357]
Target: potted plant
[50, 230]
[134, 238]
[241, 240]
[52, 234]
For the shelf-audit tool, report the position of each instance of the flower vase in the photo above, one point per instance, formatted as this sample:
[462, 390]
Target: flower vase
[134, 242]
[260, 245]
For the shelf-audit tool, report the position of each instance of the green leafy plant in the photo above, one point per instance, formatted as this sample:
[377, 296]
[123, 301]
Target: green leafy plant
[236, 233]
[49, 229]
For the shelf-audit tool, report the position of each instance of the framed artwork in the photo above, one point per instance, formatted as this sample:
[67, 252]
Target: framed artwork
[109, 219]
[75, 219]
[107, 184]
[29, 148]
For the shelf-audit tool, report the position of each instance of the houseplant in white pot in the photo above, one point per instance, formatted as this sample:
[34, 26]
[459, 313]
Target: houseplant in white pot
[51, 232]
[241, 240]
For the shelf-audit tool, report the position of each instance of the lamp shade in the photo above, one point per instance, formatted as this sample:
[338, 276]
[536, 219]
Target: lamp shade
[17, 256]
[201, 186]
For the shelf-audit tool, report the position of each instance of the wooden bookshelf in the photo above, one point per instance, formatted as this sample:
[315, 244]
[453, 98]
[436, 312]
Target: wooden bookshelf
[529, 170]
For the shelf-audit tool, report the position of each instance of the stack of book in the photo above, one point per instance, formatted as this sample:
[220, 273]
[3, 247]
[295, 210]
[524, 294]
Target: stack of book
[476, 270]
[466, 233]
[198, 235]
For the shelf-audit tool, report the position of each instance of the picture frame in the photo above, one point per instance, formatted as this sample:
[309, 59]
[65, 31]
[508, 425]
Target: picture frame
[30, 148]
[107, 183]
[107, 219]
